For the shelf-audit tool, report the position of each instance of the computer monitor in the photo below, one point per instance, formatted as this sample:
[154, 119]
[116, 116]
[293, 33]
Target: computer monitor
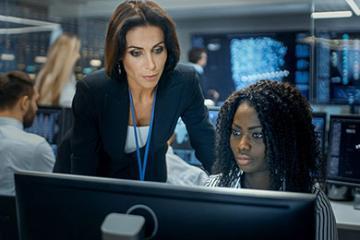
[337, 71]
[56, 206]
[52, 124]
[319, 122]
[343, 165]
[182, 146]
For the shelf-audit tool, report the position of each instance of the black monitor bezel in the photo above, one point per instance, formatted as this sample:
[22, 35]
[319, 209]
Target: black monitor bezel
[263, 199]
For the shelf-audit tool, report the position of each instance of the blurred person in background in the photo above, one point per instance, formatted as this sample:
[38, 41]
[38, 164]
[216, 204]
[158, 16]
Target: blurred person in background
[56, 81]
[19, 150]
[198, 59]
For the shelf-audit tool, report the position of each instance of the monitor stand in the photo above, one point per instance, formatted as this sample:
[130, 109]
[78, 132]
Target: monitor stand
[117, 226]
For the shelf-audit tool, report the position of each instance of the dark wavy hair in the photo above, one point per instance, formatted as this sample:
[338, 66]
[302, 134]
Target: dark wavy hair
[194, 54]
[14, 85]
[292, 149]
[131, 14]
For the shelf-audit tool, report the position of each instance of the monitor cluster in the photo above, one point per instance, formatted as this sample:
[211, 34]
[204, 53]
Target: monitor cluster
[236, 60]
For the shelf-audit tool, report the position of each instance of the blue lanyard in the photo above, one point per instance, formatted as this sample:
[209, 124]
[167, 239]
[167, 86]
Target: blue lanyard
[142, 165]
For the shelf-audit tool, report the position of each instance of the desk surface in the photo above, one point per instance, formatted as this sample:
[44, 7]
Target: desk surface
[346, 216]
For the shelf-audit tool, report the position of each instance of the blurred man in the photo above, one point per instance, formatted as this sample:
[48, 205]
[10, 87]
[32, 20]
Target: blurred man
[19, 150]
[198, 59]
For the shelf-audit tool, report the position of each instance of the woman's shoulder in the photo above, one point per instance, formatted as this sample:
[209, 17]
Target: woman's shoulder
[182, 77]
[97, 78]
[212, 180]
[184, 68]
[183, 72]
[317, 190]
[99, 82]
[322, 201]
[325, 218]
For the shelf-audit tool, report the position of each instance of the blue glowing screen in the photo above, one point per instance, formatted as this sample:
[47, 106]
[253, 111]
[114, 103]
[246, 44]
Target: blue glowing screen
[236, 60]
[337, 70]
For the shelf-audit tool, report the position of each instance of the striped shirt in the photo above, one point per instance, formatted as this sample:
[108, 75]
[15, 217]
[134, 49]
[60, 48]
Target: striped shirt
[325, 218]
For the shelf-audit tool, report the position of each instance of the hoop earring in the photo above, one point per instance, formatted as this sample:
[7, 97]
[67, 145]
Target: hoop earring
[119, 69]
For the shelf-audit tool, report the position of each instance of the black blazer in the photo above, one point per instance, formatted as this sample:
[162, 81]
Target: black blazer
[63, 154]
[101, 115]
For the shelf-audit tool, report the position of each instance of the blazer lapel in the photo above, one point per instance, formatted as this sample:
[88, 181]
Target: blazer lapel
[166, 112]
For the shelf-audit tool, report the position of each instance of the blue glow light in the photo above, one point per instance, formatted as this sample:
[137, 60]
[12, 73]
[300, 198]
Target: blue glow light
[253, 59]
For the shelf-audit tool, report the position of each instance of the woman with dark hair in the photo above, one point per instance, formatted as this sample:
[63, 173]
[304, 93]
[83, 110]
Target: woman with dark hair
[266, 140]
[125, 114]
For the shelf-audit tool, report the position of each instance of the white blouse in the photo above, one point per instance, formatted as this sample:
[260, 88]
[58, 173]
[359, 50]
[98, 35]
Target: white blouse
[142, 133]
[68, 92]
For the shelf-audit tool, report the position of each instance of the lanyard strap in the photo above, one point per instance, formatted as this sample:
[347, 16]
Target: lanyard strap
[142, 165]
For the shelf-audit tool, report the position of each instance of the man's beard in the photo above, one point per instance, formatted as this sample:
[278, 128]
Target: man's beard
[29, 117]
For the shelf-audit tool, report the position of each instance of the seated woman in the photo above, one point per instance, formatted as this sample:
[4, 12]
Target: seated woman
[266, 140]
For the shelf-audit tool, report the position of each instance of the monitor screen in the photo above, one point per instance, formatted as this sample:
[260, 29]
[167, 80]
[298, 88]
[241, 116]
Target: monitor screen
[213, 115]
[319, 122]
[56, 206]
[47, 124]
[52, 124]
[182, 146]
[236, 60]
[343, 164]
[337, 69]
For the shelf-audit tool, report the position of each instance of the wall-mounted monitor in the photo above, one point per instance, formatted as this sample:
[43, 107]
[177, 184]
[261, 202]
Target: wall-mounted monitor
[236, 60]
[337, 68]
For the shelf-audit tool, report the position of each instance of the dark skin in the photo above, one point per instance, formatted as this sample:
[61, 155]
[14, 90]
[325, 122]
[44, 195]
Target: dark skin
[248, 147]
[288, 134]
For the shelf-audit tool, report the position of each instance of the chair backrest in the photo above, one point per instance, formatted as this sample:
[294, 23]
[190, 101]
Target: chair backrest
[8, 223]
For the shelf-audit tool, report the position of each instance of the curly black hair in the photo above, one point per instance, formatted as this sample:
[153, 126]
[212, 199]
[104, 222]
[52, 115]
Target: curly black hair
[292, 149]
